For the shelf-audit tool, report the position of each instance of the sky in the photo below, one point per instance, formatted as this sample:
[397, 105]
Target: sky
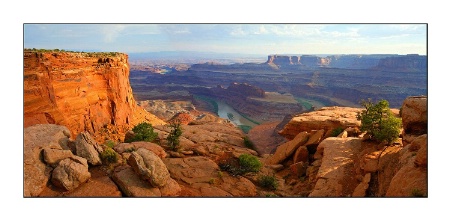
[261, 39]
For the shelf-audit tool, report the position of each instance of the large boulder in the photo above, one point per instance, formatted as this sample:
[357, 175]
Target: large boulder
[422, 155]
[287, 149]
[53, 156]
[301, 154]
[327, 118]
[335, 175]
[415, 115]
[409, 181]
[71, 173]
[149, 166]
[88, 148]
[132, 185]
[37, 138]
[158, 150]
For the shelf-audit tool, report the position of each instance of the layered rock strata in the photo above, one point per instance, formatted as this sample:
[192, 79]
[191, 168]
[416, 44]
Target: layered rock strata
[82, 91]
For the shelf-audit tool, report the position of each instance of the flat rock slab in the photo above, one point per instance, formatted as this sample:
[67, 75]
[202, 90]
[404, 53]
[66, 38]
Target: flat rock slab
[287, 149]
[133, 186]
[335, 177]
[200, 177]
[96, 187]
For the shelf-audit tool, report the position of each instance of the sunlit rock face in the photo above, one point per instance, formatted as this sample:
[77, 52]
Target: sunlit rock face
[82, 91]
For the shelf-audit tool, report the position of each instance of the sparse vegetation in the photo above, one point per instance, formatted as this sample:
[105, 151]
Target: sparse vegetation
[143, 132]
[249, 163]
[248, 143]
[220, 174]
[244, 164]
[268, 182]
[212, 181]
[335, 132]
[379, 122]
[87, 54]
[173, 139]
[417, 193]
[108, 156]
[110, 143]
[129, 150]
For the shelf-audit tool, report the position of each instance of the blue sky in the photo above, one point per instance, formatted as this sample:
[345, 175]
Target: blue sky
[232, 38]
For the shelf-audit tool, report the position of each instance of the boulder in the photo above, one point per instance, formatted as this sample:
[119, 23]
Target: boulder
[418, 142]
[301, 154]
[124, 147]
[287, 149]
[422, 155]
[315, 138]
[327, 118]
[133, 186]
[334, 178]
[415, 115]
[409, 181]
[149, 167]
[298, 169]
[71, 173]
[36, 138]
[53, 156]
[158, 150]
[88, 148]
[129, 136]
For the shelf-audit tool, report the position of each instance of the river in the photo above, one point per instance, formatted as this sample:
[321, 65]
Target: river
[228, 112]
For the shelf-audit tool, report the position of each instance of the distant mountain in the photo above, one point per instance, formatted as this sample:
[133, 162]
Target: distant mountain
[194, 56]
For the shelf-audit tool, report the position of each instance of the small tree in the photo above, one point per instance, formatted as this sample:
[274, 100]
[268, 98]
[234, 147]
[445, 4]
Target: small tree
[379, 122]
[173, 139]
[143, 132]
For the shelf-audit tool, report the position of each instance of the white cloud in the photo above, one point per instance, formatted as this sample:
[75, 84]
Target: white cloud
[111, 31]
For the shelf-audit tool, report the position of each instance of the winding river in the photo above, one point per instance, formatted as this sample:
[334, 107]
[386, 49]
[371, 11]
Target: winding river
[228, 112]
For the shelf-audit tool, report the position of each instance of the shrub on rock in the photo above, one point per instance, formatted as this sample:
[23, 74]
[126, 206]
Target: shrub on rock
[142, 132]
[379, 122]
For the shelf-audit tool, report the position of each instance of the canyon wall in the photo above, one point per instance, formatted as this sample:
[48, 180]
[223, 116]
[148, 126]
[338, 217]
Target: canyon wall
[392, 62]
[82, 91]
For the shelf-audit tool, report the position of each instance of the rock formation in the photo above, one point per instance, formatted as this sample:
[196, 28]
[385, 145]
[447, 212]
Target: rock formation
[82, 91]
[327, 118]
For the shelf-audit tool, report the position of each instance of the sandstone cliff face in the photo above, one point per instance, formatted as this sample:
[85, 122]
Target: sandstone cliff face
[84, 92]
[408, 63]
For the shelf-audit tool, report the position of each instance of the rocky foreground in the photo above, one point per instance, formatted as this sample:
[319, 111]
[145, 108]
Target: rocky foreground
[309, 164]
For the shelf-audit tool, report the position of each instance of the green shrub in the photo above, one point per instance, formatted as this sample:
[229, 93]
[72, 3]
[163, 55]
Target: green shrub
[244, 164]
[143, 132]
[110, 143]
[248, 143]
[245, 128]
[173, 139]
[249, 163]
[268, 182]
[379, 122]
[108, 155]
[337, 131]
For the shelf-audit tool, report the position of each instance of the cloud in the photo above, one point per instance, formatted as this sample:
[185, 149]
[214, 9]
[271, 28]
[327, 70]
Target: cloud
[111, 32]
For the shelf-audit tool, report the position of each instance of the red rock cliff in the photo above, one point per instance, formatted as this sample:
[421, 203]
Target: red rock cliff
[82, 91]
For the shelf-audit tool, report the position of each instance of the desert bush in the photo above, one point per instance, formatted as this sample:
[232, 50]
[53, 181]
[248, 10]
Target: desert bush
[249, 163]
[337, 131]
[379, 122]
[173, 139]
[244, 164]
[109, 143]
[108, 156]
[268, 182]
[143, 132]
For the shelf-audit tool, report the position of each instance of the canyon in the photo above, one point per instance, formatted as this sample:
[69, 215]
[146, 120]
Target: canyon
[76, 104]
